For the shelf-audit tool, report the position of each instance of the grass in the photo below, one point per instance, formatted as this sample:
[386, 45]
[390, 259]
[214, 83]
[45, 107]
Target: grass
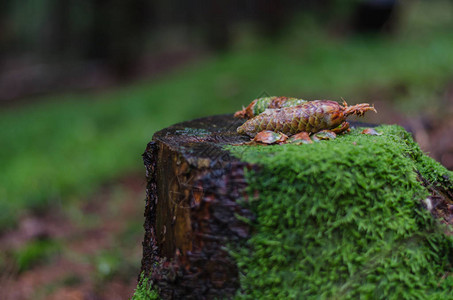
[35, 252]
[64, 146]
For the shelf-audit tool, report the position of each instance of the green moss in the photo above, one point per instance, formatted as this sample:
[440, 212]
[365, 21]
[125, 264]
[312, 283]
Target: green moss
[343, 219]
[145, 290]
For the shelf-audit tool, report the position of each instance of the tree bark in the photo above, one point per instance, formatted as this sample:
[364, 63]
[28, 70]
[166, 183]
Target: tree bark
[193, 188]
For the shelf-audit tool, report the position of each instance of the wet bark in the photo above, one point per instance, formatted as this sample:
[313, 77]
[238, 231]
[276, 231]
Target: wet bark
[193, 193]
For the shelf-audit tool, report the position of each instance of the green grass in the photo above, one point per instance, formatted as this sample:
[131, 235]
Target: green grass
[35, 252]
[65, 146]
[343, 219]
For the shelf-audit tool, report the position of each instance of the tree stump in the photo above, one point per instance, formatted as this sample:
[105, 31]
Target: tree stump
[191, 207]
[194, 212]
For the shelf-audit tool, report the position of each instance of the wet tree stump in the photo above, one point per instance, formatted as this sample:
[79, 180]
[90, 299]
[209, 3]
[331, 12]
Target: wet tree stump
[193, 208]
[193, 186]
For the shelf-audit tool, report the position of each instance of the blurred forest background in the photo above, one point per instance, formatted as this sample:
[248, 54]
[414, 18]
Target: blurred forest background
[84, 84]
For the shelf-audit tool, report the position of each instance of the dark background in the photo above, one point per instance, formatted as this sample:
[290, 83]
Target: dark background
[49, 45]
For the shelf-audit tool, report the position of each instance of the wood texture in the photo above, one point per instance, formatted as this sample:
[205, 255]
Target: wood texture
[193, 188]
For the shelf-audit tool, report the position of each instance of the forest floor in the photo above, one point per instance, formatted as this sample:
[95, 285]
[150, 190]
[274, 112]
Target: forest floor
[95, 247]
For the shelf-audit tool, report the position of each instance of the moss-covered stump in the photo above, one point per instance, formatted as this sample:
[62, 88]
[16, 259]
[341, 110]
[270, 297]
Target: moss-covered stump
[358, 216]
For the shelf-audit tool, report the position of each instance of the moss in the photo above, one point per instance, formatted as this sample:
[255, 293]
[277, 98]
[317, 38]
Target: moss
[145, 290]
[343, 219]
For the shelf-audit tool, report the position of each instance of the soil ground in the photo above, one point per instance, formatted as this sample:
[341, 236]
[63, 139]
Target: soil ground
[100, 252]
